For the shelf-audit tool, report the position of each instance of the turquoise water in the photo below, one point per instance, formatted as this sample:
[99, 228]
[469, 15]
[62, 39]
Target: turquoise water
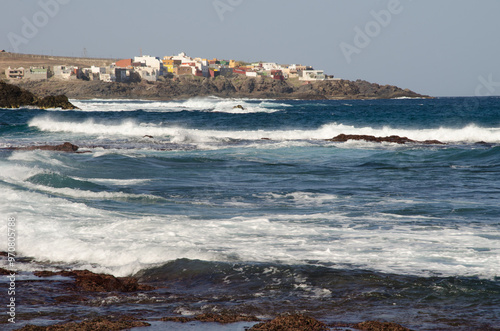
[254, 208]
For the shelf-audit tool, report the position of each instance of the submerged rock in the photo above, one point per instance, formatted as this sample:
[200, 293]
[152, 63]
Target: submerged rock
[66, 147]
[223, 318]
[380, 326]
[390, 139]
[105, 323]
[291, 322]
[91, 282]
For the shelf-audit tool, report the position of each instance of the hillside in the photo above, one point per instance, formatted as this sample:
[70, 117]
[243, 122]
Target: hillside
[184, 87]
[16, 60]
[238, 87]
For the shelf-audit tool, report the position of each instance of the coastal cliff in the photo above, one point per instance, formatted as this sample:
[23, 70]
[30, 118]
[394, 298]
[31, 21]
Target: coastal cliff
[12, 96]
[185, 87]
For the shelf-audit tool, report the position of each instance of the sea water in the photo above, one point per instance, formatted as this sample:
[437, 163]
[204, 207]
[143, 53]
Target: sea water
[255, 208]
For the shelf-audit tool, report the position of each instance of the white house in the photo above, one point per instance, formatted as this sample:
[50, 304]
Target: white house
[151, 62]
[309, 75]
[65, 72]
[148, 73]
[271, 66]
[183, 57]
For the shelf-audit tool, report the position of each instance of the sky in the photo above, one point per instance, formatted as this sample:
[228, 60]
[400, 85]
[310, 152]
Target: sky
[433, 47]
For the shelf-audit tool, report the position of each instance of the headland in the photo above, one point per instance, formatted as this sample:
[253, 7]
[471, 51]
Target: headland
[173, 79]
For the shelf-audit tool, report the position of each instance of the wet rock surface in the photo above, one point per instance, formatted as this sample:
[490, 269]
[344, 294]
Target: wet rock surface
[291, 323]
[91, 282]
[390, 139]
[107, 323]
[214, 318]
[65, 147]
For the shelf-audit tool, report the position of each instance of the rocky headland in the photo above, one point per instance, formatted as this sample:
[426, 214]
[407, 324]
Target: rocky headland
[185, 87]
[12, 96]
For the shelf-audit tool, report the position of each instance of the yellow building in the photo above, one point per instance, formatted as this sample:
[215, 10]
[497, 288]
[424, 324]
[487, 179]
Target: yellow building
[169, 64]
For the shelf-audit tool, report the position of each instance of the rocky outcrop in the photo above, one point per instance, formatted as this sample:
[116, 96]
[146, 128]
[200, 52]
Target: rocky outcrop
[55, 101]
[12, 96]
[185, 87]
[291, 322]
[105, 323]
[222, 318]
[379, 326]
[389, 139]
[91, 282]
[66, 147]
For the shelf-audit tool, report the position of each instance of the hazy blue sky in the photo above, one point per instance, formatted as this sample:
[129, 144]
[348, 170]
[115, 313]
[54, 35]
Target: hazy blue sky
[436, 47]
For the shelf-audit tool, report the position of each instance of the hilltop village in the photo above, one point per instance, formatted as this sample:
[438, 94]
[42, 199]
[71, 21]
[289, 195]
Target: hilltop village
[181, 77]
[152, 69]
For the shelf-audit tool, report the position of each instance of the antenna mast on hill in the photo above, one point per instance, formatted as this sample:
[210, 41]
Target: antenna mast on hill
[85, 52]
[140, 51]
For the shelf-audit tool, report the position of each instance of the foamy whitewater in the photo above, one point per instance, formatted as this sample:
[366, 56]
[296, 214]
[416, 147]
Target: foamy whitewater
[260, 194]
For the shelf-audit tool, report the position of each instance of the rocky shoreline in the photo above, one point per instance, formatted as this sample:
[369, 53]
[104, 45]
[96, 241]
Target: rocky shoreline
[185, 87]
[85, 285]
[12, 96]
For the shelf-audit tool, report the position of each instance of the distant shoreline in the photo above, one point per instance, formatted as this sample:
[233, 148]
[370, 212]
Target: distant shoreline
[185, 87]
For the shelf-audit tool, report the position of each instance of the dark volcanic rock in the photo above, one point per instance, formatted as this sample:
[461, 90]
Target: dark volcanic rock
[380, 326]
[291, 323]
[210, 317]
[239, 86]
[66, 147]
[4, 272]
[12, 96]
[91, 282]
[57, 101]
[391, 139]
[97, 324]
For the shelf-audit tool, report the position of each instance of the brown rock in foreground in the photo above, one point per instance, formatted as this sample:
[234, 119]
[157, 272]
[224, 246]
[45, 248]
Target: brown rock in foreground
[66, 147]
[91, 282]
[5, 272]
[380, 326]
[97, 324]
[391, 139]
[291, 323]
[210, 317]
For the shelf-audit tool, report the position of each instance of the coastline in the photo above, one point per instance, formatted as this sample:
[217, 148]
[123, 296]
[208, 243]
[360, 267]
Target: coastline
[85, 289]
[183, 88]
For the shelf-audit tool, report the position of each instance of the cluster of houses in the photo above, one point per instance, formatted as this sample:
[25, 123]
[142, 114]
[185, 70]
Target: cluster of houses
[152, 68]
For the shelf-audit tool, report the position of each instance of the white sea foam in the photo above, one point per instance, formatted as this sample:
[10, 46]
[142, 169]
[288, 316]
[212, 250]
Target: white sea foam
[211, 104]
[52, 228]
[37, 156]
[115, 182]
[57, 230]
[470, 133]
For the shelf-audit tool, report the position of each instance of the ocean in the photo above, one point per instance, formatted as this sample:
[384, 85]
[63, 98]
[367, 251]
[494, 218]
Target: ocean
[253, 210]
